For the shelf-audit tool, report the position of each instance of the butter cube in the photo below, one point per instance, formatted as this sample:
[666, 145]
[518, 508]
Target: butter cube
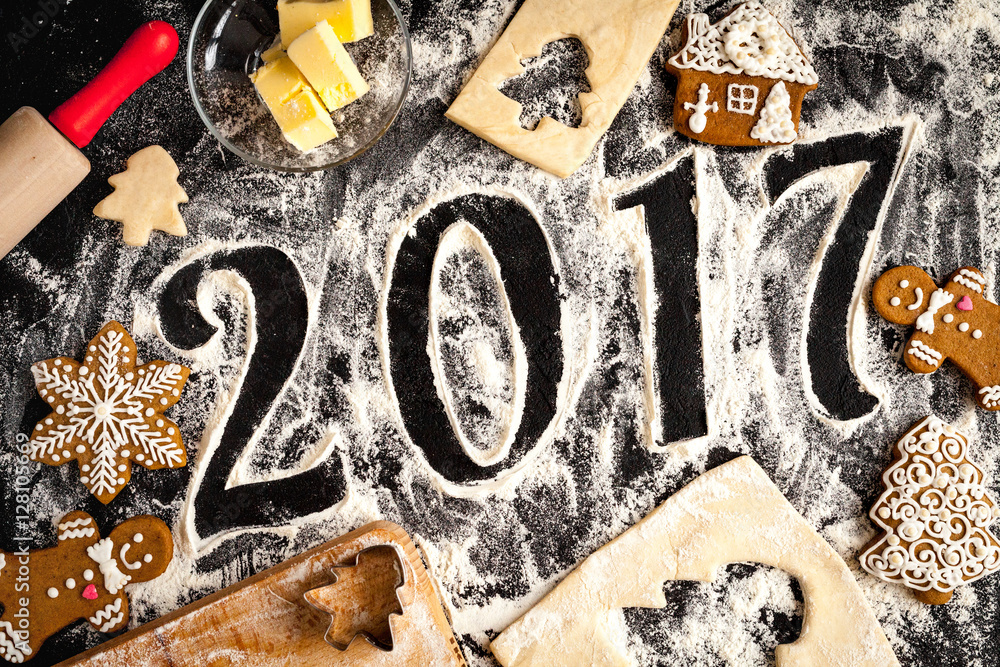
[272, 54]
[327, 66]
[350, 19]
[301, 116]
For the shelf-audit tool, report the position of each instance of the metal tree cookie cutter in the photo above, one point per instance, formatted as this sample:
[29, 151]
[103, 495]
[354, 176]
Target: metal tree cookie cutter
[362, 598]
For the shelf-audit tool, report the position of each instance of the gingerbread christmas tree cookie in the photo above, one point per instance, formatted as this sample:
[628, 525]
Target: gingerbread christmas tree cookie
[145, 197]
[82, 577]
[108, 412]
[741, 81]
[934, 515]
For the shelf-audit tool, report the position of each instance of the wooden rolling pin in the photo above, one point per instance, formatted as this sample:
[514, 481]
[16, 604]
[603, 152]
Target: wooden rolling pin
[40, 160]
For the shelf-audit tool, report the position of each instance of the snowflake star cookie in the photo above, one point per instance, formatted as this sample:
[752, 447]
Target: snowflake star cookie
[145, 197]
[82, 577]
[741, 81]
[108, 412]
[935, 515]
[956, 322]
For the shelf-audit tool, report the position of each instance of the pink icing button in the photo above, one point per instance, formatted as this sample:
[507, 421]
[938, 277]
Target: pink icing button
[90, 592]
[965, 303]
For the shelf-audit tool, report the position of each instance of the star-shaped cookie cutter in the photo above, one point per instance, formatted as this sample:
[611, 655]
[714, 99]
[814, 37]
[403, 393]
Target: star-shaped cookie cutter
[345, 598]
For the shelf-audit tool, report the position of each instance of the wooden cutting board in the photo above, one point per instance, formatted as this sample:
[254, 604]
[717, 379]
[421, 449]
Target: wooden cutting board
[265, 620]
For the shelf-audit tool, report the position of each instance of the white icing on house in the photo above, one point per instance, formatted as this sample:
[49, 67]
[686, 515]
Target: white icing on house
[939, 299]
[741, 99]
[748, 41]
[698, 119]
[937, 534]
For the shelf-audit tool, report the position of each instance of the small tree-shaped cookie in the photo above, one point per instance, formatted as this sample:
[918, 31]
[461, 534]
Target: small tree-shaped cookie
[145, 197]
[935, 514]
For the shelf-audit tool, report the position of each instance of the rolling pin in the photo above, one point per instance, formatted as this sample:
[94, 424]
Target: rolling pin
[40, 160]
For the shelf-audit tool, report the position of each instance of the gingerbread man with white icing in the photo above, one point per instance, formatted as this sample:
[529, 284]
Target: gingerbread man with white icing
[954, 322]
[82, 576]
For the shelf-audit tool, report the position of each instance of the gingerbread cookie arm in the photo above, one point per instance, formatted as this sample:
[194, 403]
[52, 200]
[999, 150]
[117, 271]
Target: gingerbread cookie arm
[112, 614]
[972, 323]
[79, 528]
[921, 356]
[971, 278]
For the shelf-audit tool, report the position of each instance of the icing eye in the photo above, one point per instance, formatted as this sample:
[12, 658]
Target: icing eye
[148, 558]
[904, 283]
[895, 301]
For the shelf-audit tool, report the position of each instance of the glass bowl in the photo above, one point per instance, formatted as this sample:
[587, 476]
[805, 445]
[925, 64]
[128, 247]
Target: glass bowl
[227, 41]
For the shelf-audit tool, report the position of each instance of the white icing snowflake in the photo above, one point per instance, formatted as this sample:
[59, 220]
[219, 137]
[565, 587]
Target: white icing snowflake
[107, 413]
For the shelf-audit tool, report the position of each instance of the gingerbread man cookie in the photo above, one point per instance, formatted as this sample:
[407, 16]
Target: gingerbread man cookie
[108, 412]
[954, 322]
[83, 576]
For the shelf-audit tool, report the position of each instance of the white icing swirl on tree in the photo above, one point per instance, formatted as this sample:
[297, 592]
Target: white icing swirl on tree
[935, 512]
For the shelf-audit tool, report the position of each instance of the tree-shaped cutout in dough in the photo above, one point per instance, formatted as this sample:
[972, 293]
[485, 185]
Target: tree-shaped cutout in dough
[362, 599]
[760, 608]
[730, 514]
[551, 84]
[146, 197]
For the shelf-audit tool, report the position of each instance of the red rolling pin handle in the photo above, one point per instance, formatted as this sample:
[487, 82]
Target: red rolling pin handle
[146, 53]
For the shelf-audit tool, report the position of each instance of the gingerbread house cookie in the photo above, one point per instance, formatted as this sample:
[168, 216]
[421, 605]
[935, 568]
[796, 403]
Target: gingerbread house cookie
[741, 81]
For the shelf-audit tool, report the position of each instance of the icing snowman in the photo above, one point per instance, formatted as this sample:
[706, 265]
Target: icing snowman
[83, 576]
[698, 120]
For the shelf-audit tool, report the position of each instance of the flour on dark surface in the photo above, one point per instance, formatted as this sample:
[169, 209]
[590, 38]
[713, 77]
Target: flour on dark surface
[322, 408]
